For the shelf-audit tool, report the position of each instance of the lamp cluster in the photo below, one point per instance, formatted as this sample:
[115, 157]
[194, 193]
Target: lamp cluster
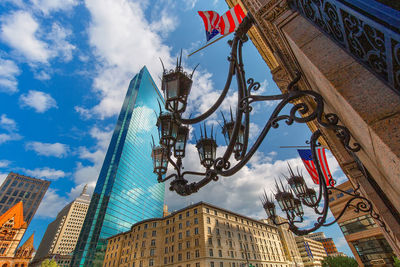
[290, 198]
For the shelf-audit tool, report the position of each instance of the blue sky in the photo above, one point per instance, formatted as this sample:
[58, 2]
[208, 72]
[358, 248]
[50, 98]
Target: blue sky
[65, 66]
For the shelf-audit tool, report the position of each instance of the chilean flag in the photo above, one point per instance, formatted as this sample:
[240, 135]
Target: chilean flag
[227, 23]
[306, 156]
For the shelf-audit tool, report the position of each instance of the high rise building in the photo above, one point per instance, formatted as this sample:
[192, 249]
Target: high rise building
[12, 229]
[127, 190]
[61, 235]
[312, 252]
[327, 242]
[364, 237]
[199, 235]
[23, 188]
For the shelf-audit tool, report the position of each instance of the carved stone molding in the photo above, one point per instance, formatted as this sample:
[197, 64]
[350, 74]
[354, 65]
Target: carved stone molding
[272, 10]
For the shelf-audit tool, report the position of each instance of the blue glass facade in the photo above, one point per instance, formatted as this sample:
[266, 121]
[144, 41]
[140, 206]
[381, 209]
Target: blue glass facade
[127, 190]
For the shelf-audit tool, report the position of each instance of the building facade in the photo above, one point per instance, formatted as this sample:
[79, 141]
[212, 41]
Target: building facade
[347, 51]
[12, 229]
[327, 242]
[364, 237]
[16, 188]
[127, 190]
[289, 244]
[312, 252]
[200, 235]
[61, 235]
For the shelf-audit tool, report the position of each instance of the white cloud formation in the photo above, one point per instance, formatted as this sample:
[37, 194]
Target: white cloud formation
[10, 126]
[46, 172]
[8, 76]
[241, 191]
[37, 100]
[51, 204]
[3, 176]
[47, 149]
[47, 6]
[4, 163]
[7, 123]
[19, 30]
[35, 42]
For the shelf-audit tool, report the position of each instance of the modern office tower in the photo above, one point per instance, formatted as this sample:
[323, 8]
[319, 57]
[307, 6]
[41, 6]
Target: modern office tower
[18, 188]
[127, 190]
[364, 237]
[12, 229]
[312, 252]
[200, 235]
[61, 235]
[327, 242]
[289, 244]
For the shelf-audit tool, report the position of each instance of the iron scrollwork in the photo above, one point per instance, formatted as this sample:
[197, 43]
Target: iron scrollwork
[236, 132]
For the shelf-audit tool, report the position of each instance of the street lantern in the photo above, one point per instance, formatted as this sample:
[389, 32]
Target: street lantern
[298, 208]
[160, 160]
[310, 196]
[269, 206]
[176, 86]
[297, 183]
[207, 148]
[227, 131]
[181, 139]
[168, 129]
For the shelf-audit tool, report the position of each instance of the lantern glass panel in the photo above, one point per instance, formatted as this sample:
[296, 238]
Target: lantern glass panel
[172, 88]
[180, 144]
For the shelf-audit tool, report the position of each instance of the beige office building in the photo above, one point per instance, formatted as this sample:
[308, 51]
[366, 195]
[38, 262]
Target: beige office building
[199, 235]
[61, 235]
[312, 252]
[289, 244]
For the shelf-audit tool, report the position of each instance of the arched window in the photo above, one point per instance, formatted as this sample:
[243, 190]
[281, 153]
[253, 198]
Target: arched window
[4, 265]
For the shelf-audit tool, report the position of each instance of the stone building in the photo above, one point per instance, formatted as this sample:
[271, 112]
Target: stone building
[364, 237]
[12, 229]
[200, 235]
[349, 52]
[61, 235]
[312, 252]
[289, 244]
[327, 242]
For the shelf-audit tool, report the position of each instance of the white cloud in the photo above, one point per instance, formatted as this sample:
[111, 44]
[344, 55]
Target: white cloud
[47, 6]
[241, 191]
[37, 100]
[7, 123]
[51, 204]
[46, 172]
[3, 176]
[42, 75]
[4, 163]
[8, 72]
[19, 30]
[47, 149]
[35, 42]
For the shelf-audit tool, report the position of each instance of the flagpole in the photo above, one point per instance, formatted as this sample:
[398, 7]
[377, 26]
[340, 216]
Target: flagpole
[201, 48]
[299, 146]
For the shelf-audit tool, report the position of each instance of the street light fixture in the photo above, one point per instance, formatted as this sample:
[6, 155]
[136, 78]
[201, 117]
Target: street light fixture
[176, 85]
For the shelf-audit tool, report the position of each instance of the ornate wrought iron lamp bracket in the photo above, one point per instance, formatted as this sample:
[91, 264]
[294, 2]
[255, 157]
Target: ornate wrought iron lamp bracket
[176, 86]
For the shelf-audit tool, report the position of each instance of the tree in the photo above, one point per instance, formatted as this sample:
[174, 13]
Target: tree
[396, 262]
[49, 263]
[339, 261]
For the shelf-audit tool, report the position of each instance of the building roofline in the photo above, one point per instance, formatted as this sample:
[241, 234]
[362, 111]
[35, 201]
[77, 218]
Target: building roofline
[26, 176]
[189, 207]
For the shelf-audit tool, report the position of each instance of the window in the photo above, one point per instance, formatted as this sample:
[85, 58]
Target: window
[187, 214]
[221, 264]
[217, 231]
[152, 252]
[195, 211]
[216, 222]
[187, 244]
[212, 264]
[220, 253]
[153, 242]
[188, 255]
[197, 253]
[196, 231]
[219, 242]
[180, 246]
[154, 233]
[180, 226]
[196, 242]
[339, 195]
[231, 254]
[144, 234]
[211, 252]
[208, 220]
[187, 223]
[209, 230]
[151, 262]
[180, 216]
[196, 221]
[197, 264]
[207, 210]
[154, 224]
[179, 256]
[187, 233]
[210, 241]
[180, 235]
[357, 224]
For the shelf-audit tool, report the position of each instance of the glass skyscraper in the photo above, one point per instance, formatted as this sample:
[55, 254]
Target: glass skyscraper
[127, 190]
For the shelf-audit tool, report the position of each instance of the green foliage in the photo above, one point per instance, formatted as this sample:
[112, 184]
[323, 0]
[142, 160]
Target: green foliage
[396, 262]
[339, 261]
[49, 263]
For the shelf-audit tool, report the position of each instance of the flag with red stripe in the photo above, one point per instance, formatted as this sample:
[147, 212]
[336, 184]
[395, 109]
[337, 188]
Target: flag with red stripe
[227, 23]
[306, 157]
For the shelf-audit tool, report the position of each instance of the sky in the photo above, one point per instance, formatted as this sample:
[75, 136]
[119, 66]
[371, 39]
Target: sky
[65, 66]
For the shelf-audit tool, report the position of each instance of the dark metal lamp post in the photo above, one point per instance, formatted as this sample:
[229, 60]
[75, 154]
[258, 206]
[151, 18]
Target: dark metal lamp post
[176, 85]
